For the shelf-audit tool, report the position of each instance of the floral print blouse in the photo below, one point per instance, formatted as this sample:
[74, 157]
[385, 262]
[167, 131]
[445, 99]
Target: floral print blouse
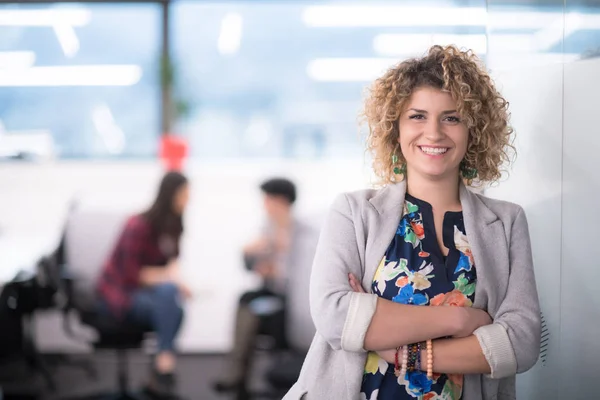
[414, 271]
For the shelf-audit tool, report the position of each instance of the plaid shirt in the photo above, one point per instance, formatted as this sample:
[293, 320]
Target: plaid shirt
[137, 247]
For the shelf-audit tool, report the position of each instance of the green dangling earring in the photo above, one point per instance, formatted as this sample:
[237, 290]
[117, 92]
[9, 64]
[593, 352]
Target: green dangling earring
[468, 173]
[401, 170]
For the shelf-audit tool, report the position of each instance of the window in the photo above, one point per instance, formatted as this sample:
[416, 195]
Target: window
[537, 35]
[286, 79]
[79, 80]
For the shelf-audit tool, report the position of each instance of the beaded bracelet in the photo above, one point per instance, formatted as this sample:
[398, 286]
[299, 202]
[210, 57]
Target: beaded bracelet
[418, 361]
[400, 368]
[412, 357]
[429, 359]
[396, 361]
[404, 360]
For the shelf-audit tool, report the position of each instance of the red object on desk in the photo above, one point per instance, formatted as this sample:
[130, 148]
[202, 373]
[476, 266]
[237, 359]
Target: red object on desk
[173, 152]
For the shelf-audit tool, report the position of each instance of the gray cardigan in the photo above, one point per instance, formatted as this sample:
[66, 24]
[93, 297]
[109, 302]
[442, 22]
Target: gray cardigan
[356, 234]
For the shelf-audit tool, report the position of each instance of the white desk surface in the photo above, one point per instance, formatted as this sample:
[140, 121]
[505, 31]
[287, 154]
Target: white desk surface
[21, 252]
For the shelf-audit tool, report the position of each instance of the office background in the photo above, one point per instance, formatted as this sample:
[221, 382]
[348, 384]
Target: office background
[275, 87]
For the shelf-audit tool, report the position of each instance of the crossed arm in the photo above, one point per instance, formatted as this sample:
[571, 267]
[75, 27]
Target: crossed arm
[459, 355]
[351, 320]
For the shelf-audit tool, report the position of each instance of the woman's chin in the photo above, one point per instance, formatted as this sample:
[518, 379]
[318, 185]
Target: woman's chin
[438, 174]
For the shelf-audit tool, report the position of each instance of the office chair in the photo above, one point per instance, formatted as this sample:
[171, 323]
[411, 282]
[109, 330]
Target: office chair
[26, 294]
[89, 237]
[286, 362]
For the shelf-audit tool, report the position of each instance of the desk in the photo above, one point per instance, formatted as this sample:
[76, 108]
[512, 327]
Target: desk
[20, 252]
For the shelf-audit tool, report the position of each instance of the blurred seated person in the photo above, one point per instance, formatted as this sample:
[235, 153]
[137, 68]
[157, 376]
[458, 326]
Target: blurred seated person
[141, 284]
[278, 255]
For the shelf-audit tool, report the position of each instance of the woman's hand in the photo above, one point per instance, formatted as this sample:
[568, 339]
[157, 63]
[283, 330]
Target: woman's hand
[469, 319]
[173, 274]
[388, 355]
[185, 291]
[172, 270]
[355, 284]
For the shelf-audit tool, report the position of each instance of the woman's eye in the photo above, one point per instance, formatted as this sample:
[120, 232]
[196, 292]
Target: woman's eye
[417, 116]
[453, 119]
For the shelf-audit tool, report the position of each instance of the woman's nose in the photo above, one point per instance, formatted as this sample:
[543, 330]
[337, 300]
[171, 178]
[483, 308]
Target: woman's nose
[433, 130]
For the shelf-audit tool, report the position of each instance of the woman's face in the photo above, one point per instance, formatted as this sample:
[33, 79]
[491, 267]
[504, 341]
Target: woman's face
[181, 198]
[433, 138]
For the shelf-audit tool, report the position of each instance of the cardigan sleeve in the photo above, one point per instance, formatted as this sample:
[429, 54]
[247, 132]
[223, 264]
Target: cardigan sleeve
[511, 344]
[341, 316]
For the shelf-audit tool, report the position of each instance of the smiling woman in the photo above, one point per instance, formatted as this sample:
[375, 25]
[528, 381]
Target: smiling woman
[434, 139]
[424, 289]
[463, 99]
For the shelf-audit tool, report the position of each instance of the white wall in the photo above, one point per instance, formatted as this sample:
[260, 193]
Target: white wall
[535, 183]
[554, 111]
[225, 211]
[580, 273]
[556, 180]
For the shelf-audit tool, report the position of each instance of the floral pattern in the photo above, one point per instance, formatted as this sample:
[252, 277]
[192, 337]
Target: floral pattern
[414, 271]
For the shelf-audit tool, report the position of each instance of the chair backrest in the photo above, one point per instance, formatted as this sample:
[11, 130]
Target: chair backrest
[89, 239]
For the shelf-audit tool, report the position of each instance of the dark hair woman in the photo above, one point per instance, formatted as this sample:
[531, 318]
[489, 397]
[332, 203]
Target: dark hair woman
[140, 282]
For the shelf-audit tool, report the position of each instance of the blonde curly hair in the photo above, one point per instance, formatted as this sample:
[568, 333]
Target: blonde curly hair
[481, 107]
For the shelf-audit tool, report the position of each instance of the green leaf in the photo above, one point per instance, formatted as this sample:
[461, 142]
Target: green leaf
[462, 284]
[410, 237]
[403, 265]
[469, 289]
[451, 391]
[411, 207]
[392, 275]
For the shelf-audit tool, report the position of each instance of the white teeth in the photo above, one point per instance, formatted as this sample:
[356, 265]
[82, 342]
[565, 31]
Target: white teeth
[434, 150]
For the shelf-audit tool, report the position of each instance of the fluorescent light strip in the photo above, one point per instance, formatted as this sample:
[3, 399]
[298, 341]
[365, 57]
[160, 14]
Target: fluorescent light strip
[350, 16]
[511, 61]
[16, 59]
[522, 20]
[348, 69]
[541, 20]
[79, 17]
[88, 75]
[582, 21]
[39, 142]
[403, 44]
[230, 36]
[398, 16]
[417, 44]
[369, 69]
[554, 34]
